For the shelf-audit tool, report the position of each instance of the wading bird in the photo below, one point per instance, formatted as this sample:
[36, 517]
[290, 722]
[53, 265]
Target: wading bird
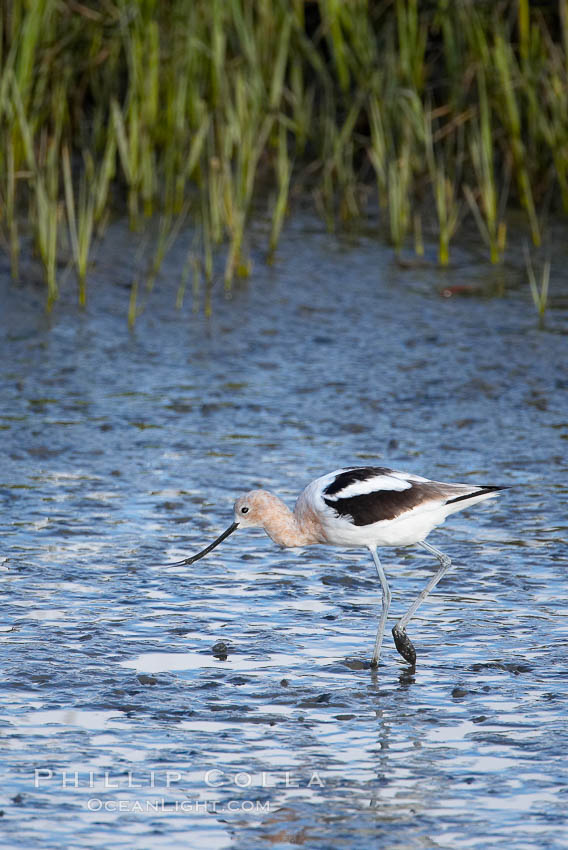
[361, 506]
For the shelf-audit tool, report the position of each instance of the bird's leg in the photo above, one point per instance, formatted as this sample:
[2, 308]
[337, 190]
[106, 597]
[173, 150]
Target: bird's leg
[385, 609]
[401, 639]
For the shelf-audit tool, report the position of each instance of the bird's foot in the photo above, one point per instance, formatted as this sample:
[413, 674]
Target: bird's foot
[404, 645]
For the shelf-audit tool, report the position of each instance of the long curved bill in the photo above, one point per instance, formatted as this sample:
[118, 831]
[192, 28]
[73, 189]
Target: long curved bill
[211, 546]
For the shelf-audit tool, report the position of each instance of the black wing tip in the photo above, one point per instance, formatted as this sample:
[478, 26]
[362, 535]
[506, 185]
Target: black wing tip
[481, 491]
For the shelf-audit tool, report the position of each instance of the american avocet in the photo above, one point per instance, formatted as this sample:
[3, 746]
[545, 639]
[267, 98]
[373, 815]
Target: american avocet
[361, 506]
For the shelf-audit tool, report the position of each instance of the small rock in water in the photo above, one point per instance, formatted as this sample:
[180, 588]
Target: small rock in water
[220, 650]
[357, 664]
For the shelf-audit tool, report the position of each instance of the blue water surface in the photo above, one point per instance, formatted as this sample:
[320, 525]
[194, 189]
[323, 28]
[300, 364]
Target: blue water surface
[230, 704]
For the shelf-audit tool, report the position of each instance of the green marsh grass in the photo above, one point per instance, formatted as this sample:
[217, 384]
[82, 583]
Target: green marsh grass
[80, 223]
[206, 106]
[507, 69]
[168, 231]
[486, 207]
[283, 174]
[445, 189]
[539, 285]
[46, 206]
[399, 178]
[11, 212]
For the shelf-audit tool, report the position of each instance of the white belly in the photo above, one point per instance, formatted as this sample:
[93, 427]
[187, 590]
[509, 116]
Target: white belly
[402, 531]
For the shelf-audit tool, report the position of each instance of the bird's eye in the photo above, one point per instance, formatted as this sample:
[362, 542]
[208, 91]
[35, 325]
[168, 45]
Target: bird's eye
[244, 510]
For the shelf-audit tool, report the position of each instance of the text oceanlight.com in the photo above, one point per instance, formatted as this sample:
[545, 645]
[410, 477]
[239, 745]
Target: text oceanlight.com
[161, 805]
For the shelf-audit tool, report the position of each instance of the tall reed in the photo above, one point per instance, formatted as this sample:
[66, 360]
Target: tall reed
[538, 285]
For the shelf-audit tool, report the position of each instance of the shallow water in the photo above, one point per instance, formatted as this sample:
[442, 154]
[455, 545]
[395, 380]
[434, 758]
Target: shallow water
[230, 703]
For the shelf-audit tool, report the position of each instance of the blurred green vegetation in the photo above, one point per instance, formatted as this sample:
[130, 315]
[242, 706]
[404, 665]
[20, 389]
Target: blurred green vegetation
[196, 110]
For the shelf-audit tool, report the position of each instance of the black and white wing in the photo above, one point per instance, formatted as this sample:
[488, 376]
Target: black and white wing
[369, 494]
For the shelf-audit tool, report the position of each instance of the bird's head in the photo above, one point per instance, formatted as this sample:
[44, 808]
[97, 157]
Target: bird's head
[252, 508]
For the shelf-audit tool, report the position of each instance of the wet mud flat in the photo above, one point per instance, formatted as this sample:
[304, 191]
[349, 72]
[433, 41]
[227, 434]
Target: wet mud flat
[230, 703]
